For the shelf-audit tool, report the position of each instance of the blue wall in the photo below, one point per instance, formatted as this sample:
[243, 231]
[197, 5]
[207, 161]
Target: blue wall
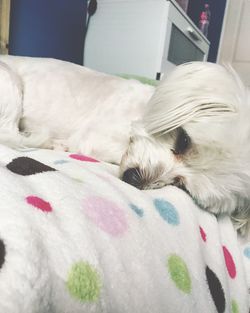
[215, 27]
[214, 31]
[48, 28]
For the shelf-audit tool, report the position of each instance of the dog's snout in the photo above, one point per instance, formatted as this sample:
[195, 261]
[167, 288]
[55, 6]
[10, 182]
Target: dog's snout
[132, 176]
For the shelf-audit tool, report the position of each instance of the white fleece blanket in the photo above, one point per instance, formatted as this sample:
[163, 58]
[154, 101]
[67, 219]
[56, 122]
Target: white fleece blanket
[74, 238]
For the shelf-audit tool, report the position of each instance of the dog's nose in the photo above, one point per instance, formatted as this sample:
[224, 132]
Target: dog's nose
[132, 176]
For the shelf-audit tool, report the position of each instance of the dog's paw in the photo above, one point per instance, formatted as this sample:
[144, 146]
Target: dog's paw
[244, 230]
[241, 223]
[60, 145]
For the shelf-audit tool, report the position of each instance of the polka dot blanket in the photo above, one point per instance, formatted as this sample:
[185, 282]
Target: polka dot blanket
[74, 239]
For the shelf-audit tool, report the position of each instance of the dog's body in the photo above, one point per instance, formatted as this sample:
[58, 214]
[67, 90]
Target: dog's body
[194, 132]
[58, 104]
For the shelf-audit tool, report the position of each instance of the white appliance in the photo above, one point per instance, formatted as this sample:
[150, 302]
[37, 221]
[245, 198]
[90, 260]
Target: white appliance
[142, 37]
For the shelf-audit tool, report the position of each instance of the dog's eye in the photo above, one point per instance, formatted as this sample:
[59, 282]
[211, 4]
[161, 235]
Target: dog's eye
[182, 143]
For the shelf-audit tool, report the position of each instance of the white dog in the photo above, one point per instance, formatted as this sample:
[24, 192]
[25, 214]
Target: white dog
[193, 133]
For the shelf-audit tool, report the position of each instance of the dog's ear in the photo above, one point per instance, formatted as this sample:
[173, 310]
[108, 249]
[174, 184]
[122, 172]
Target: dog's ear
[241, 219]
[191, 92]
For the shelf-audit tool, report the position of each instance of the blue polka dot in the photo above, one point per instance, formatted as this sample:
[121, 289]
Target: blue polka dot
[167, 211]
[61, 161]
[137, 210]
[247, 252]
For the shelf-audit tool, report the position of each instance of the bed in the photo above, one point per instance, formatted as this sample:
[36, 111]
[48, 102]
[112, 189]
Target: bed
[74, 238]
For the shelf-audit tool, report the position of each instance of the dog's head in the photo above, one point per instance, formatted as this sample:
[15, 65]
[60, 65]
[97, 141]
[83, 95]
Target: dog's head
[195, 135]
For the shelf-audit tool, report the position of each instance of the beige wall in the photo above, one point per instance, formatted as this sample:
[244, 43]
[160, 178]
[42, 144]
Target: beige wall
[235, 41]
[4, 25]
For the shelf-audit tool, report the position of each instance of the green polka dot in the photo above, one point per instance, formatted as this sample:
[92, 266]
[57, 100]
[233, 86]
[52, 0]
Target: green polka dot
[235, 308]
[179, 273]
[84, 282]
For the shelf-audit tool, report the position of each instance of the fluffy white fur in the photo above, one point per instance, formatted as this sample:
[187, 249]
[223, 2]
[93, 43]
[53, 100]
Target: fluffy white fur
[50, 103]
[58, 104]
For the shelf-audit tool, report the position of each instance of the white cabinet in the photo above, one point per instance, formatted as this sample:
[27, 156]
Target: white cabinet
[142, 37]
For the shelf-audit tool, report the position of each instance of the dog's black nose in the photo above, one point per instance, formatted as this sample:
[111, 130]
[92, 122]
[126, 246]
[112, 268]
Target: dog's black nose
[132, 176]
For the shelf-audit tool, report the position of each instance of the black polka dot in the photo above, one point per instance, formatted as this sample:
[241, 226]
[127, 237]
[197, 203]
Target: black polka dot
[216, 290]
[27, 166]
[2, 253]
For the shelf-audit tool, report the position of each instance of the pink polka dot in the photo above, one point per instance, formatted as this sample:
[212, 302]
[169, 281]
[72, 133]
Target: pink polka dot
[39, 203]
[203, 234]
[106, 215]
[229, 262]
[82, 157]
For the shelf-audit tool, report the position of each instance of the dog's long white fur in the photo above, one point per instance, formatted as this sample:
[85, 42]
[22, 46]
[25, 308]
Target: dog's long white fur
[213, 99]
